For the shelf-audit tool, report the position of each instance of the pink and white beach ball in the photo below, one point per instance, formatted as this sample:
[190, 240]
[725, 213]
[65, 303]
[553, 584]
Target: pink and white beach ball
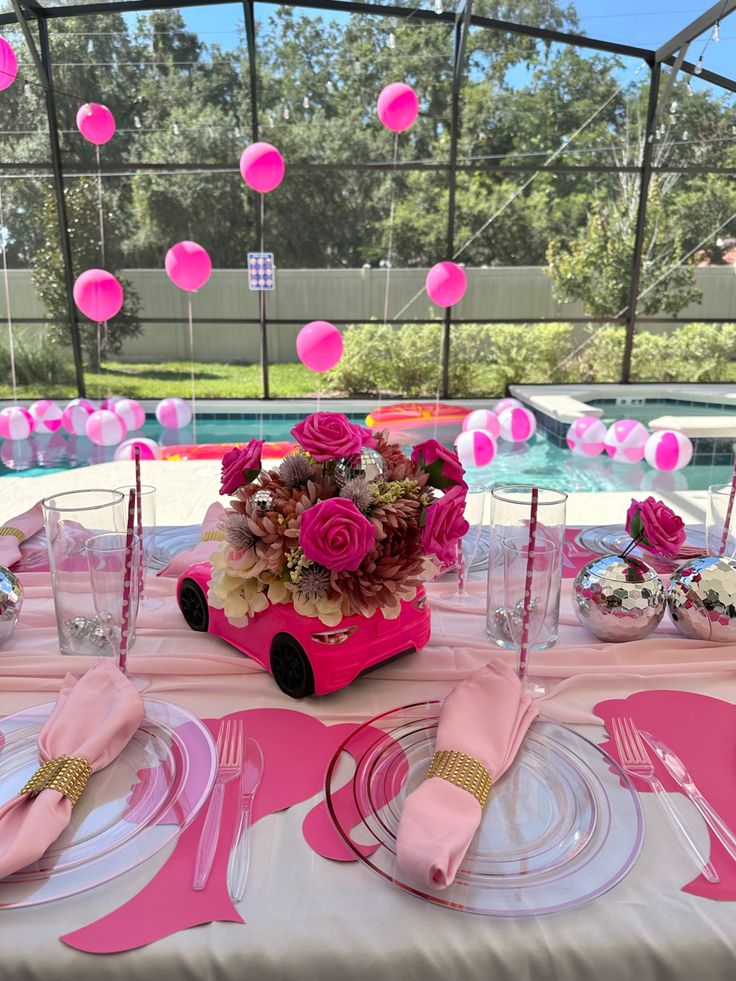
[111, 401]
[75, 415]
[131, 412]
[506, 404]
[475, 447]
[482, 419]
[47, 415]
[174, 413]
[150, 450]
[586, 436]
[104, 428]
[16, 422]
[625, 441]
[517, 424]
[668, 449]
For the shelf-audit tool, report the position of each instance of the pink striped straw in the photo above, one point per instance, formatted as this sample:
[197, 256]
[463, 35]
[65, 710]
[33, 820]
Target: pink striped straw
[139, 508]
[524, 646]
[127, 574]
[729, 510]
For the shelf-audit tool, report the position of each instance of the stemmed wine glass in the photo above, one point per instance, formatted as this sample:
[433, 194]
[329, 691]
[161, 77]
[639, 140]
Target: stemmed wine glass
[528, 574]
[470, 547]
[115, 597]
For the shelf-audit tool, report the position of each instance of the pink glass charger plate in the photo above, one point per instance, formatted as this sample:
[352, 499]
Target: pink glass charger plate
[561, 827]
[129, 811]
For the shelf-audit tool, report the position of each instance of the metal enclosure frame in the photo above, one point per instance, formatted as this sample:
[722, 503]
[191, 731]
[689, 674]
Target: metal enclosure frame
[32, 17]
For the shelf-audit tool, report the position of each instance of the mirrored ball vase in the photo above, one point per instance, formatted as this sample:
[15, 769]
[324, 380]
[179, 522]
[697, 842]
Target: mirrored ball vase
[618, 599]
[11, 600]
[702, 599]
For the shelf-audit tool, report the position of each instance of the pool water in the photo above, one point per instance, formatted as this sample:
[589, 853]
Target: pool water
[537, 461]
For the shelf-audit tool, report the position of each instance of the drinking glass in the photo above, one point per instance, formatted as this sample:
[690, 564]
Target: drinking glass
[148, 542]
[510, 513]
[718, 498]
[70, 520]
[529, 577]
[107, 576]
[471, 547]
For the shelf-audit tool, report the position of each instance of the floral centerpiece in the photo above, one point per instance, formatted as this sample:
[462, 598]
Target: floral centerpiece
[346, 525]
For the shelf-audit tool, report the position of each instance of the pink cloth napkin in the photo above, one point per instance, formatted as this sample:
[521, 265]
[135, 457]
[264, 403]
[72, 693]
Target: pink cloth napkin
[204, 548]
[94, 717]
[485, 716]
[25, 525]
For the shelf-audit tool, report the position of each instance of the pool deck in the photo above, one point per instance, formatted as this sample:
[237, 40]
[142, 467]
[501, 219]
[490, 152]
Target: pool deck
[186, 489]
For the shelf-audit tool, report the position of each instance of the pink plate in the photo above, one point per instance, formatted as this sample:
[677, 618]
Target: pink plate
[129, 811]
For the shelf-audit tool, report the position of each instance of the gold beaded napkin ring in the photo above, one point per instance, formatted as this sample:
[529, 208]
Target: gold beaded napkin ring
[464, 771]
[66, 774]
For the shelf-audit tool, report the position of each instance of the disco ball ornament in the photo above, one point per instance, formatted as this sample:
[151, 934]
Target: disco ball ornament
[263, 500]
[77, 627]
[618, 599]
[702, 599]
[11, 600]
[368, 464]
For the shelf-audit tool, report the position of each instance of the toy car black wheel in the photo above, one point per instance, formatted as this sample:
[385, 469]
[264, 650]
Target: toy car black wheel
[290, 667]
[193, 604]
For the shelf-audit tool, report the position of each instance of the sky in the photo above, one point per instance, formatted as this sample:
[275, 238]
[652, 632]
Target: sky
[644, 23]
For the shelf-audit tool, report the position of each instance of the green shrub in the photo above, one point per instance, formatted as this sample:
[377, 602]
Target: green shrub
[39, 361]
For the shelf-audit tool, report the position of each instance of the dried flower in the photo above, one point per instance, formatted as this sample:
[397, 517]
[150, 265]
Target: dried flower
[358, 490]
[238, 532]
[295, 470]
[314, 582]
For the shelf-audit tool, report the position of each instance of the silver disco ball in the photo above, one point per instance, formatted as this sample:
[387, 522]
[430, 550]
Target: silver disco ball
[368, 464]
[11, 600]
[618, 599]
[702, 599]
[263, 500]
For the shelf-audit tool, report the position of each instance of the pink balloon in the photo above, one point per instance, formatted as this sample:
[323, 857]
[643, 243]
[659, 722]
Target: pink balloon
[188, 265]
[262, 167]
[98, 294]
[104, 428]
[96, 123]
[446, 284]
[319, 345]
[397, 106]
[8, 65]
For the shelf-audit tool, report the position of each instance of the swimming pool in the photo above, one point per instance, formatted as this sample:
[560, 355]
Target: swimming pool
[538, 461]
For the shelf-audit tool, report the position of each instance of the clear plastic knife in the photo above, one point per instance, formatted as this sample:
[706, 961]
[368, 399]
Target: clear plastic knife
[680, 774]
[237, 868]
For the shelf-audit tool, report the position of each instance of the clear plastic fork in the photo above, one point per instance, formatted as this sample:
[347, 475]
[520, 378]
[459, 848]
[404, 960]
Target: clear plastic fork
[635, 760]
[229, 766]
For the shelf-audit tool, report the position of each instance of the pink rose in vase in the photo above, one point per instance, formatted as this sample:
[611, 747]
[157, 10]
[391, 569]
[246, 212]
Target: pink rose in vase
[328, 436]
[442, 465]
[445, 524]
[335, 534]
[240, 465]
[655, 527]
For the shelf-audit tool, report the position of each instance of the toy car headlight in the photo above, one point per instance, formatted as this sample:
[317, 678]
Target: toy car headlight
[421, 602]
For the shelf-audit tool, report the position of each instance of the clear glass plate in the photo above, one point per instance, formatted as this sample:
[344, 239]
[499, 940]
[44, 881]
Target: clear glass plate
[561, 827]
[613, 539]
[130, 810]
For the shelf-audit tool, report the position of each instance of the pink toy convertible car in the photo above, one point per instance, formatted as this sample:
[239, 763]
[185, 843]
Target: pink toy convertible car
[304, 656]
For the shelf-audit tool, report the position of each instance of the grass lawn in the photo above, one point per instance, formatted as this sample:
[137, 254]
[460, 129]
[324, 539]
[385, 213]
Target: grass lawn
[155, 381]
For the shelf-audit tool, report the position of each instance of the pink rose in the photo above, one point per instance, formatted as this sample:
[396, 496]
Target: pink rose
[335, 534]
[445, 525]
[328, 436]
[655, 527]
[368, 438]
[442, 465]
[240, 465]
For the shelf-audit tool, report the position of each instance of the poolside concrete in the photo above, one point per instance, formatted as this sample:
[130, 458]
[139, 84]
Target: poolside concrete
[186, 489]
